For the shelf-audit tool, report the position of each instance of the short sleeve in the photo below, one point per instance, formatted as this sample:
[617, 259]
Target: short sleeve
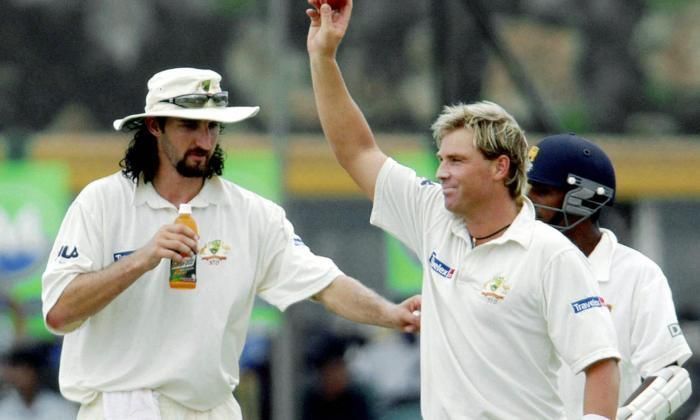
[403, 203]
[656, 338]
[291, 271]
[579, 322]
[77, 250]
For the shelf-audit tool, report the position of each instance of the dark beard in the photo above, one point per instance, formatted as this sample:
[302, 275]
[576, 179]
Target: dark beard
[193, 172]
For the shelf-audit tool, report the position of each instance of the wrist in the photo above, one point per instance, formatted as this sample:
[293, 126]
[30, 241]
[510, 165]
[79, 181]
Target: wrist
[322, 58]
[137, 263]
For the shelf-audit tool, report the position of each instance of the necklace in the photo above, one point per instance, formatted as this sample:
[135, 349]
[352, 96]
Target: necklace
[474, 238]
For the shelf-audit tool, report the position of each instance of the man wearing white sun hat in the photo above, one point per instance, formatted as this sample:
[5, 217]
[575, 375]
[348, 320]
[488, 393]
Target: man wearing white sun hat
[134, 348]
[188, 93]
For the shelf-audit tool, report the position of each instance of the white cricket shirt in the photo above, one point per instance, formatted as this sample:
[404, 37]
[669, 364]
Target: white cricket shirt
[184, 344]
[495, 318]
[640, 302]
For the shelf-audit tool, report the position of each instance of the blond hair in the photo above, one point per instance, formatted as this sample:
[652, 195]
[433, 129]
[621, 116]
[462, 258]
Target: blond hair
[496, 133]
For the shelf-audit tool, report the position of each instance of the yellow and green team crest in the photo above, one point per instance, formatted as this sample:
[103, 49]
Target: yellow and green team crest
[214, 251]
[496, 289]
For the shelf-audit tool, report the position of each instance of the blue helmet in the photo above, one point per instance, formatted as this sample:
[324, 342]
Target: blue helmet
[578, 166]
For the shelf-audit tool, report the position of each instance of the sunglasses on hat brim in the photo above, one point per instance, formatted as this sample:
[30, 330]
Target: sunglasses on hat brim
[198, 100]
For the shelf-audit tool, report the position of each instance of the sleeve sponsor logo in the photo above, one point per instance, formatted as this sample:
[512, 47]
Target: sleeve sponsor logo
[67, 252]
[588, 303]
[675, 330]
[297, 241]
[118, 255]
[440, 267]
[424, 182]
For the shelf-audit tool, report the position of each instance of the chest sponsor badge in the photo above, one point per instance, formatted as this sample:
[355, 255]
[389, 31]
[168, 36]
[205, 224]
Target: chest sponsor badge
[496, 289]
[440, 267]
[214, 252]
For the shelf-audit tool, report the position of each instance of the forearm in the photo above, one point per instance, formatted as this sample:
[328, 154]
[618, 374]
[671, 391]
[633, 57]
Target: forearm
[352, 300]
[342, 120]
[602, 387]
[344, 125]
[88, 293]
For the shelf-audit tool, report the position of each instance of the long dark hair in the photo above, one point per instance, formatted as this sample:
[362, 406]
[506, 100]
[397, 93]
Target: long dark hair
[141, 157]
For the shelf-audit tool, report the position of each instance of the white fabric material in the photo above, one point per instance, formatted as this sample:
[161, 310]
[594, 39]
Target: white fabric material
[496, 318]
[140, 404]
[169, 410]
[594, 417]
[642, 310]
[184, 344]
[170, 83]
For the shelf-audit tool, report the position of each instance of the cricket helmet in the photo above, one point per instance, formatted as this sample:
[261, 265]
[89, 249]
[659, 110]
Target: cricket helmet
[579, 167]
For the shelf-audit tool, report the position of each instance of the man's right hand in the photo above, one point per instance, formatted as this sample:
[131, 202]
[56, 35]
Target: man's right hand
[173, 241]
[344, 126]
[327, 28]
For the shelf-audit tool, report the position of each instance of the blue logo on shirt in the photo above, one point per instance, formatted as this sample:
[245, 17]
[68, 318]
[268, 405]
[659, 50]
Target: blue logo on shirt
[587, 303]
[440, 267]
[66, 252]
[119, 255]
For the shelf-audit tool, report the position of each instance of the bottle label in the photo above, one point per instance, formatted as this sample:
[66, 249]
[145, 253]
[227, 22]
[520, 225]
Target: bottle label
[183, 275]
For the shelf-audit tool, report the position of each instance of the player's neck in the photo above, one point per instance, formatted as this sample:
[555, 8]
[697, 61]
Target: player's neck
[585, 236]
[176, 188]
[490, 223]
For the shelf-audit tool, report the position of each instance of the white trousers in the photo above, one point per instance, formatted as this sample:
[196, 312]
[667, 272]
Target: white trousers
[170, 410]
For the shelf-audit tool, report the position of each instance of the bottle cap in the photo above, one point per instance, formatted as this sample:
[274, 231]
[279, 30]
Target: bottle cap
[185, 208]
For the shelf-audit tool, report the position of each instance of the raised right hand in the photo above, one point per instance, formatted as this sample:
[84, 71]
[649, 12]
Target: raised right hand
[327, 27]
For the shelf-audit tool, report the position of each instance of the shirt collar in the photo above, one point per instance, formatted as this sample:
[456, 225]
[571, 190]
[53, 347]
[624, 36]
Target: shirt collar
[520, 230]
[601, 257]
[211, 193]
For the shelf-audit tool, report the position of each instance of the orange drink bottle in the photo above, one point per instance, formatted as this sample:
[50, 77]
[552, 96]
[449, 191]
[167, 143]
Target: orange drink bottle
[183, 275]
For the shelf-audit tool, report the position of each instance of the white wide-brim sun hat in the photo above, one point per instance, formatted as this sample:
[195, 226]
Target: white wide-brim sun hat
[176, 82]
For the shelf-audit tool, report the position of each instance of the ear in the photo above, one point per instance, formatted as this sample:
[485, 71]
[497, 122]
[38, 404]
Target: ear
[501, 167]
[153, 126]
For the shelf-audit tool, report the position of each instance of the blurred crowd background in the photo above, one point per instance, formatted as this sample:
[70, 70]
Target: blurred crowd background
[624, 73]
